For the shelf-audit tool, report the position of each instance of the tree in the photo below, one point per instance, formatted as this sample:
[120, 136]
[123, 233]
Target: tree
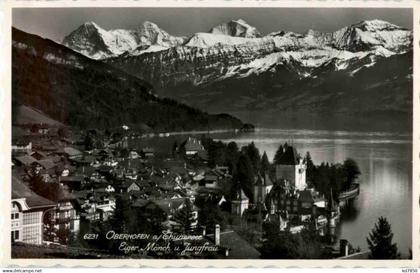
[285, 245]
[121, 215]
[210, 213]
[310, 168]
[232, 155]
[62, 132]
[351, 172]
[245, 175]
[184, 216]
[51, 191]
[254, 156]
[279, 153]
[50, 231]
[380, 241]
[265, 164]
[64, 235]
[175, 148]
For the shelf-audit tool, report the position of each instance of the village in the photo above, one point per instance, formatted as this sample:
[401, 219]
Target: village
[69, 185]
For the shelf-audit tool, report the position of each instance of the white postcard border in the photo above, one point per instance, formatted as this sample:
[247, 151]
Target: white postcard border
[5, 136]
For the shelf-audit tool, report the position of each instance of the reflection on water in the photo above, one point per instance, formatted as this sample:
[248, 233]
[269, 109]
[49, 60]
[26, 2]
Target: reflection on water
[385, 160]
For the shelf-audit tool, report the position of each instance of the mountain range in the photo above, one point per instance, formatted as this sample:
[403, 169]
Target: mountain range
[54, 81]
[317, 79]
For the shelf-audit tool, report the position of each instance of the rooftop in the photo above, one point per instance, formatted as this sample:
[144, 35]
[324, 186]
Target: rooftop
[289, 157]
[33, 200]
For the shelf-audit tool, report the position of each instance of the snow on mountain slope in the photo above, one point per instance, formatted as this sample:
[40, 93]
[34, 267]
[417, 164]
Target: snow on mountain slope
[206, 40]
[237, 50]
[97, 43]
[236, 28]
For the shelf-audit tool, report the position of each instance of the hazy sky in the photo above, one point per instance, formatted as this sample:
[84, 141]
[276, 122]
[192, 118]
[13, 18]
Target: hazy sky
[55, 23]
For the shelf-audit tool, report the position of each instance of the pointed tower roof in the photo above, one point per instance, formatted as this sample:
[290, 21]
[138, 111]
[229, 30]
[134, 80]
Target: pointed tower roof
[240, 196]
[267, 180]
[289, 157]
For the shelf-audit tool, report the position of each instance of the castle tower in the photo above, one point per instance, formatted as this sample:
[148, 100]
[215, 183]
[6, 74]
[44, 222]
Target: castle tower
[292, 168]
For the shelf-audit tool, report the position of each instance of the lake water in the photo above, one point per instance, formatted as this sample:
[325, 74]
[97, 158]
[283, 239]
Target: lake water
[385, 161]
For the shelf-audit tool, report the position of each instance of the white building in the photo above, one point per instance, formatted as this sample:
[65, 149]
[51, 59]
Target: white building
[27, 213]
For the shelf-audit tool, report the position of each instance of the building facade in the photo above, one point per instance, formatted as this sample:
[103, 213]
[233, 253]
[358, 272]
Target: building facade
[28, 210]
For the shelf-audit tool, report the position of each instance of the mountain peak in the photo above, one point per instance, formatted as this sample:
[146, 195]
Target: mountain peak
[150, 24]
[90, 26]
[148, 27]
[240, 21]
[236, 28]
[91, 23]
[375, 25]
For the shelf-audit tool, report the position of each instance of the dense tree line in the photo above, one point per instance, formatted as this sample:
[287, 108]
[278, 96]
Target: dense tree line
[244, 164]
[285, 245]
[335, 178]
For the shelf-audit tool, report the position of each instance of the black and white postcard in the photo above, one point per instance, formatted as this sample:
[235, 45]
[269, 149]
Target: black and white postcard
[187, 133]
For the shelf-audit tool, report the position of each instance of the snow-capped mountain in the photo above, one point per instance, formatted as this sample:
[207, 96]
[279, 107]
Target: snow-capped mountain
[235, 49]
[233, 62]
[97, 43]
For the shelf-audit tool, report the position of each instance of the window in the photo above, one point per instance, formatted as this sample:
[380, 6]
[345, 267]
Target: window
[13, 216]
[14, 235]
[16, 215]
[31, 218]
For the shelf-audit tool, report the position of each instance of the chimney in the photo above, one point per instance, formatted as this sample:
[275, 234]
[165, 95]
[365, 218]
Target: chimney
[217, 235]
[204, 230]
[344, 248]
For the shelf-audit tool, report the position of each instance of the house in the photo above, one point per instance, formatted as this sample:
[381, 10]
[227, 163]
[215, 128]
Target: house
[97, 207]
[105, 212]
[41, 129]
[147, 152]
[22, 147]
[27, 215]
[262, 187]
[192, 146]
[239, 203]
[235, 246]
[25, 160]
[133, 155]
[67, 214]
[118, 143]
[86, 160]
[48, 165]
[133, 186]
[159, 209]
[38, 155]
[209, 181]
[72, 153]
[109, 188]
[299, 205]
[292, 168]
[72, 182]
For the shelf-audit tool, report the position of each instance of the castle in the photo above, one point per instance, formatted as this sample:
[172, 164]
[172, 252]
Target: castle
[292, 168]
